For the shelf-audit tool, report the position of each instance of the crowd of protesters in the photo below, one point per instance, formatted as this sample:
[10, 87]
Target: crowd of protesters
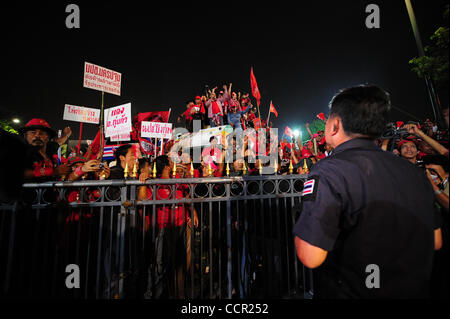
[424, 144]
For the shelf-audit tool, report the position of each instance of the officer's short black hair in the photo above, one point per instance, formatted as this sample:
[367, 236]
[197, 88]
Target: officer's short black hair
[363, 109]
[122, 150]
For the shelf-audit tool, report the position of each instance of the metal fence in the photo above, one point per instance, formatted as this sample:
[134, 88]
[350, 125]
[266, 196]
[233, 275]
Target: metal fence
[126, 239]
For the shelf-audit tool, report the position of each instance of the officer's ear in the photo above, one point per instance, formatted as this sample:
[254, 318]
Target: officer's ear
[336, 124]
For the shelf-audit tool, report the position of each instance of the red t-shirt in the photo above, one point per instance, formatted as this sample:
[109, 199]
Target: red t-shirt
[164, 214]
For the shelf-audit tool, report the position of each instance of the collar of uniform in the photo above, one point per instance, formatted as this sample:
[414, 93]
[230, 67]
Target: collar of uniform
[356, 143]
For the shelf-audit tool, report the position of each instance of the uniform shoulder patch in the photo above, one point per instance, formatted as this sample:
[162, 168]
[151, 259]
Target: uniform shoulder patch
[310, 188]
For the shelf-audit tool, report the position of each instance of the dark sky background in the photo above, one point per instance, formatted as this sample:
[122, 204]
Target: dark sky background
[302, 53]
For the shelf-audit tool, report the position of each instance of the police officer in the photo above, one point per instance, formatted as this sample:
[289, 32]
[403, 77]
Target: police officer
[368, 222]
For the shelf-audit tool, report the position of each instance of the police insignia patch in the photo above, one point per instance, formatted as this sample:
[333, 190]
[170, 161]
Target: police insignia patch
[310, 188]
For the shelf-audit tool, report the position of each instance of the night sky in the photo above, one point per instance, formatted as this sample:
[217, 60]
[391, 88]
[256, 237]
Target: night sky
[301, 55]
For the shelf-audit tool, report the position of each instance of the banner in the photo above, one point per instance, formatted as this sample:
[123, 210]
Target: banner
[156, 129]
[202, 137]
[81, 114]
[118, 120]
[101, 79]
[254, 85]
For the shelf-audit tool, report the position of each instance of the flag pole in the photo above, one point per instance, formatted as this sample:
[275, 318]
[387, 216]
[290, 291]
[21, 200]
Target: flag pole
[79, 138]
[100, 156]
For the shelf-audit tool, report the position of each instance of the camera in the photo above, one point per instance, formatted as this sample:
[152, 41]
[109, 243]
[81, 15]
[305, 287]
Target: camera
[391, 131]
[101, 165]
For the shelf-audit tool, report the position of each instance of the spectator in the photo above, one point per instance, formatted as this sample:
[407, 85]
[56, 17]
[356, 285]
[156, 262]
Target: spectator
[234, 117]
[125, 156]
[38, 133]
[215, 108]
[408, 150]
[413, 129]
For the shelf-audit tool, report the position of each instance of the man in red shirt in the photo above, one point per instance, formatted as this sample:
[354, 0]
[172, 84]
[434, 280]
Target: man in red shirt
[38, 133]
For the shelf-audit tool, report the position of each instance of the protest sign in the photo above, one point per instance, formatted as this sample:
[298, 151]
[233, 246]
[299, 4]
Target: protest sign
[156, 130]
[81, 114]
[101, 79]
[118, 120]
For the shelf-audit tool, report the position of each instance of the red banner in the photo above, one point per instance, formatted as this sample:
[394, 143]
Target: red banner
[322, 117]
[255, 90]
[272, 109]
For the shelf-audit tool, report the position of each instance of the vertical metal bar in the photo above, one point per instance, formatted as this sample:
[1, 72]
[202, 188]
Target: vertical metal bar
[88, 250]
[230, 266]
[219, 249]
[294, 253]
[288, 253]
[112, 216]
[121, 237]
[245, 251]
[99, 249]
[10, 247]
[238, 250]
[211, 256]
[191, 192]
[264, 261]
[279, 230]
[201, 250]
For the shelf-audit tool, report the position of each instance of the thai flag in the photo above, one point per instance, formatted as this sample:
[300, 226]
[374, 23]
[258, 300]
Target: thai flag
[108, 152]
[308, 187]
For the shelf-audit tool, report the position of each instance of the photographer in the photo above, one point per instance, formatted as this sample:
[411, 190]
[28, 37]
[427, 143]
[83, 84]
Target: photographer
[437, 173]
[413, 129]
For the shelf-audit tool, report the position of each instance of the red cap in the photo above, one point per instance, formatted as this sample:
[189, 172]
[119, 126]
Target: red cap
[38, 124]
[76, 159]
[401, 142]
[198, 97]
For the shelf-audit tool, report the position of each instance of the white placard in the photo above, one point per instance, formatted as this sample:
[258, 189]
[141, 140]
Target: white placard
[118, 120]
[81, 114]
[156, 130]
[101, 79]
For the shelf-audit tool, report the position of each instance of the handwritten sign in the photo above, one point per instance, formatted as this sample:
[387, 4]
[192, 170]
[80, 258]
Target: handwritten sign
[118, 120]
[156, 130]
[81, 114]
[101, 79]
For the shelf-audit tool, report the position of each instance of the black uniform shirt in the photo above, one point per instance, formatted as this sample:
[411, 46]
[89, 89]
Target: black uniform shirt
[366, 206]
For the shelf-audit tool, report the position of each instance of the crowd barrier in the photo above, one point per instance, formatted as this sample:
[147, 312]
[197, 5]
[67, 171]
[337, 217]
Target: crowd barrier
[101, 240]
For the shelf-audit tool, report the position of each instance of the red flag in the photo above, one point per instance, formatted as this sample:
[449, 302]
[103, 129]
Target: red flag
[159, 116]
[255, 90]
[146, 147]
[95, 146]
[399, 124]
[288, 131]
[272, 109]
[322, 117]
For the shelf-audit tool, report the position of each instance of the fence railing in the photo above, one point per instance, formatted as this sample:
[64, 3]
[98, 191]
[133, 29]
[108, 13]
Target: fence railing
[227, 237]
